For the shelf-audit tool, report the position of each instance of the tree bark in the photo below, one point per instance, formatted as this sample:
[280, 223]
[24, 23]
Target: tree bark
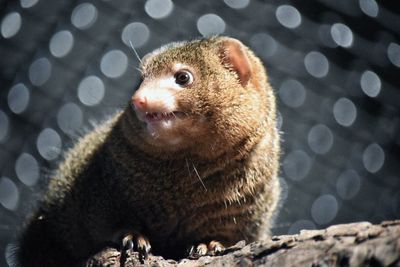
[355, 244]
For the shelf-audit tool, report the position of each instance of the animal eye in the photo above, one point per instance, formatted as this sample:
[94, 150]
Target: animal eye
[183, 78]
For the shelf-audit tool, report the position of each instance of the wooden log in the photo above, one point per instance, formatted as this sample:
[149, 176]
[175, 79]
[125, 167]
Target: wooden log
[354, 244]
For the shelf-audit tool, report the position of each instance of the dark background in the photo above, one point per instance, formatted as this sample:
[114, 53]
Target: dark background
[335, 66]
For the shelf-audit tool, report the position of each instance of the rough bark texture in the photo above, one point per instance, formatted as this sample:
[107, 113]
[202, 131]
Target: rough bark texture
[355, 244]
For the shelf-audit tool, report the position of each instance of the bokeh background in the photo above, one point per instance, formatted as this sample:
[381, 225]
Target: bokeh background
[335, 66]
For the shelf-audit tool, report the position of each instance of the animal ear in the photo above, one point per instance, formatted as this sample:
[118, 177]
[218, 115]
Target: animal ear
[233, 55]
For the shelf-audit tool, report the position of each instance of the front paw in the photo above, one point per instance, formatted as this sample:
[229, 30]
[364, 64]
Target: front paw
[136, 242]
[213, 248]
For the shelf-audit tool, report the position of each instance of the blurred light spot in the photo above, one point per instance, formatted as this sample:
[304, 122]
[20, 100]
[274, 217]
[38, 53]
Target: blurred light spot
[18, 98]
[288, 16]
[320, 139]
[237, 4]
[4, 125]
[210, 24]
[61, 43]
[114, 63]
[91, 90]
[299, 225]
[136, 33]
[158, 9]
[342, 35]
[49, 144]
[373, 158]
[296, 165]
[40, 71]
[9, 194]
[316, 64]
[344, 111]
[369, 7]
[324, 209]
[348, 184]
[70, 118]
[27, 169]
[292, 93]
[370, 83]
[11, 24]
[263, 44]
[324, 33]
[393, 53]
[84, 16]
[28, 3]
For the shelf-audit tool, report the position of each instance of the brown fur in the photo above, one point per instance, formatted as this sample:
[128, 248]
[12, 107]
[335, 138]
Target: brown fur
[117, 178]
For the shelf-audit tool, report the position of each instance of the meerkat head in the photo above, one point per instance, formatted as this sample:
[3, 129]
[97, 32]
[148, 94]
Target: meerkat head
[203, 96]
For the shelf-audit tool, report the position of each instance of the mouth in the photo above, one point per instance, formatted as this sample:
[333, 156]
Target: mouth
[159, 117]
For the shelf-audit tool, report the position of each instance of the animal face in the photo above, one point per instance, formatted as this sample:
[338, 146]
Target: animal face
[199, 94]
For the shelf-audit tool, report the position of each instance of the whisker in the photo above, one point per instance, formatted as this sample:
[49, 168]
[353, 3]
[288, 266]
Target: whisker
[138, 69]
[131, 65]
[201, 181]
[134, 50]
[187, 165]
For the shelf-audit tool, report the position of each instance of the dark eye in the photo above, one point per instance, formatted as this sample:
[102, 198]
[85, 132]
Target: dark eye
[183, 78]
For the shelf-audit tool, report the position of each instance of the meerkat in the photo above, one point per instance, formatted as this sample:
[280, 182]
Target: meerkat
[191, 162]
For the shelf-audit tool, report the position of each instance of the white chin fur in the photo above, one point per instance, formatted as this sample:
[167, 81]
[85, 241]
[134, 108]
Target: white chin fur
[156, 134]
[157, 129]
[166, 124]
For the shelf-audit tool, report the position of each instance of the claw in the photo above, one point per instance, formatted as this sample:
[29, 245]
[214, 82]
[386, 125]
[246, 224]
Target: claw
[215, 248]
[138, 243]
[127, 243]
[190, 251]
[143, 247]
